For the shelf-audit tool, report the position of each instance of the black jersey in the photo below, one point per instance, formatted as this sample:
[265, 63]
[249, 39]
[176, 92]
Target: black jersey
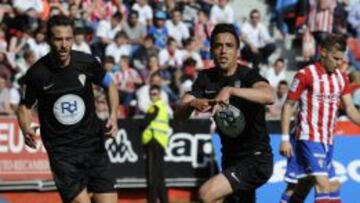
[255, 135]
[65, 102]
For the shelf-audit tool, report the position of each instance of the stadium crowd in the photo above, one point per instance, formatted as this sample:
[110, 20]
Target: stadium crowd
[166, 42]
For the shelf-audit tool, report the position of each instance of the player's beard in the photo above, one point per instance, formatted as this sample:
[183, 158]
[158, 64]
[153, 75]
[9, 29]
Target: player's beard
[63, 56]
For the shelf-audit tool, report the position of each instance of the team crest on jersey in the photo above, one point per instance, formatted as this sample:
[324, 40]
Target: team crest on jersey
[82, 79]
[294, 85]
[69, 109]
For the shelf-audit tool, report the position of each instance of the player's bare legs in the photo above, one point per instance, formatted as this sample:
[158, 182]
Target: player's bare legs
[334, 185]
[215, 189]
[82, 197]
[105, 197]
[322, 184]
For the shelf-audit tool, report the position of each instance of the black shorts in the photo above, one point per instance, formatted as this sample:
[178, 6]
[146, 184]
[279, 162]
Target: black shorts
[84, 170]
[246, 175]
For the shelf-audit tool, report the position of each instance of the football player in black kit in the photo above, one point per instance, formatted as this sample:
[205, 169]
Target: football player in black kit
[61, 84]
[247, 160]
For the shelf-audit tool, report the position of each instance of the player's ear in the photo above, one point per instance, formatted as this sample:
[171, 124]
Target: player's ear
[323, 51]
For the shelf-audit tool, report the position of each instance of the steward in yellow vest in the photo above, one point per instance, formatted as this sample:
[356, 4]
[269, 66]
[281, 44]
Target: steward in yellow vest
[155, 139]
[158, 128]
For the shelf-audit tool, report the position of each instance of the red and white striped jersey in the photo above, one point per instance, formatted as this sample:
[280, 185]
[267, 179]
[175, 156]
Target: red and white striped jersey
[321, 20]
[319, 95]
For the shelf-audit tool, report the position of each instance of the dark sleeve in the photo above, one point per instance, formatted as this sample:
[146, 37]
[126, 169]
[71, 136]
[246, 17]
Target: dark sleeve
[253, 77]
[97, 72]
[150, 116]
[28, 90]
[197, 89]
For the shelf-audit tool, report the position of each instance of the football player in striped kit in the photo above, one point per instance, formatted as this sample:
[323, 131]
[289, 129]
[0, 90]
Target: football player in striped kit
[317, 89]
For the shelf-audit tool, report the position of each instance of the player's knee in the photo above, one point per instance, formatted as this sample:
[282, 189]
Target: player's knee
[334, 186]
[323, 185]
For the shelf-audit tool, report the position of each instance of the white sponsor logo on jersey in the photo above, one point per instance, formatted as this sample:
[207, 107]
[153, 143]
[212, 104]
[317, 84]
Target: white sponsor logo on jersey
[294, 85]
[69, 109]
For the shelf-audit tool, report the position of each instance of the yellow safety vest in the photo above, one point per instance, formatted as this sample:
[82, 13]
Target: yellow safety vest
[159, 127]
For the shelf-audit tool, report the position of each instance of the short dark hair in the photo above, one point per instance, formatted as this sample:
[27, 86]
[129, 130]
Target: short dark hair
[254, 11]
[155, 87]
[280, 60]
[58, 20]
[133, 12]
[170, 40]
[151, 37]
[117, 16]
[335, 42]
[121, 34]
[224, 28]
[283, 82]
[156, 73]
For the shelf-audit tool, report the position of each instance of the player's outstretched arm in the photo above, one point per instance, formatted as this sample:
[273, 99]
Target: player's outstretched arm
[112, 96]
[24, 119]
[189, 103]
[260, 92]
[351, 111]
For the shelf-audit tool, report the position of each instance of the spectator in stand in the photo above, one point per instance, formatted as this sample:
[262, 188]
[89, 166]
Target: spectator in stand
[188, 77]
[144, 101]
[126, 80]
[80, 43]
[145, 12]
[5, 102]
[320, 10]
[106, 32]
[171, 57]
[76, 16]
[190, 13]
[135, 30]
[354, 18]
[280, 95]
[7, 65]
[222, 12]
[109, 64]
[203, 29]
[353, 53]
[152, 67]
[38, 44]
[340, 17]
[97, 10]
[18, 41]
[142, 55]
[22, 6]
[258, 43]
[3, 42]
[23, 64]
[177, 28]
[119, 47]
[56, 8]
[159, 30]
[191, 52]
[114, 6]
[276, 73]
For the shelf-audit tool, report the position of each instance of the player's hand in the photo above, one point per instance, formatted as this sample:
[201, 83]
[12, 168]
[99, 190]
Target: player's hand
[111, 126]
[285, 149]
[224, 96]
[29, 135]
[202, 105]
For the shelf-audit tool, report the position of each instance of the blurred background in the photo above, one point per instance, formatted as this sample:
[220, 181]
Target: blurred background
[135, 38]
